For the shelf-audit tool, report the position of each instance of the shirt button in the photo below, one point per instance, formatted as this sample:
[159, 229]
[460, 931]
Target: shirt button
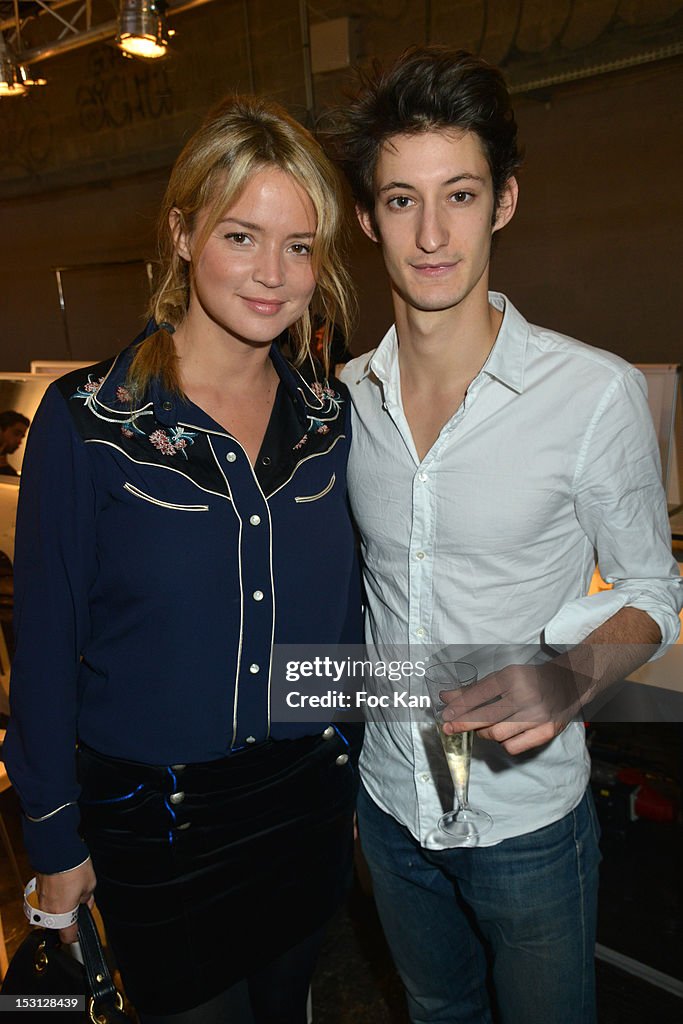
[167, 406]
[185, 824]
[177, 798]
[425, 777]
[231, 457]
[420, 631]
[258, 595]
[422, 477]
[253, 669]
[342, 759]
[178, 767]
[254, 520]
[328, 733]
[265, 461]
[419, 554]
[251, 739]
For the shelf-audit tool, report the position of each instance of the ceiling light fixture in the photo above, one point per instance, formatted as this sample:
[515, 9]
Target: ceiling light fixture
[143, 31]
[11, 81]
[27, 77]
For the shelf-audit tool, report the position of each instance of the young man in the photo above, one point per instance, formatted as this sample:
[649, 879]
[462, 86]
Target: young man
[491, 460]
[13, 427]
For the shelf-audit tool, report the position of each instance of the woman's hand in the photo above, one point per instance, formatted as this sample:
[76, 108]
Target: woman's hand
[58, 894]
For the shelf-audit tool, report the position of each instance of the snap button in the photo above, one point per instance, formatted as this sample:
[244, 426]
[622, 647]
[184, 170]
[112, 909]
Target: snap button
[265, 461]
[231, 457]
[258, 595]
[420, 555]
[342, 759]
[328, 733]
[167, 406]
[254, 520]
[253, 669]
[177, 798]
[251, 739]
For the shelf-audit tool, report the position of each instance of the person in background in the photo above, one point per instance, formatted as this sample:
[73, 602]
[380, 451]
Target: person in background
[13, 427]
[491, 460]
[325, 343]
[175, 504]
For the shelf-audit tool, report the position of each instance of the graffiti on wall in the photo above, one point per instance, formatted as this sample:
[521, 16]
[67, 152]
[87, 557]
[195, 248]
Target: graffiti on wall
[117, 93]
[26, 136]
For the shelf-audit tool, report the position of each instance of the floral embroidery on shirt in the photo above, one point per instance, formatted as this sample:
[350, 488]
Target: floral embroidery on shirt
[168, 442]
[331, 400]
[316, 427]
[130, 429]
[89, 389]
[322, 391]
[172, 441]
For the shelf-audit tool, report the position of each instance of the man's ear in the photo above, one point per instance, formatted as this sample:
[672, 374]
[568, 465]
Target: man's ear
[507, 204]
[181, 237]
[367, 222]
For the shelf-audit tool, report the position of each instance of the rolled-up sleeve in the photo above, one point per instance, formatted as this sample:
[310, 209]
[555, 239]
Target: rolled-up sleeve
[621, 506]
[55, 564]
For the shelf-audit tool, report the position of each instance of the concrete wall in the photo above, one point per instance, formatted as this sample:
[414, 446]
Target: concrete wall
[596, 246]
[594, 249]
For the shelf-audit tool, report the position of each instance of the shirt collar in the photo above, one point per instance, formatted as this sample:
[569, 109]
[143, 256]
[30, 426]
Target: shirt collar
[508, 356]
[384, 361]
[168, 405]
[505, 362]
[301, 392]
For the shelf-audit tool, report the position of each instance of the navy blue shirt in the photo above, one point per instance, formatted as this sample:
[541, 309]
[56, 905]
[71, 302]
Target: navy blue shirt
[155, 571]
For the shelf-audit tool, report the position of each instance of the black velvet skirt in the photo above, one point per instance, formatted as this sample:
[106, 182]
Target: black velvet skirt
[207, 871]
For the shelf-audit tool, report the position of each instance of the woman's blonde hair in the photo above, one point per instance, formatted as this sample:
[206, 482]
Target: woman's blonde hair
[238, 138]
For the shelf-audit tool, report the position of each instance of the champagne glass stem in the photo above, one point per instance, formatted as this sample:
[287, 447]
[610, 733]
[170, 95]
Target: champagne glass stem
[458, 751]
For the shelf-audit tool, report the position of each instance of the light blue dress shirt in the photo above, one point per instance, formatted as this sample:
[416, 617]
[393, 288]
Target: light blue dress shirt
[492, 538]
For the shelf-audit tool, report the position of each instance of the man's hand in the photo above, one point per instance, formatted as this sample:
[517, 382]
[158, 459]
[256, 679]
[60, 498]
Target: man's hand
[525, 706]
[521, 706]
[58, 894]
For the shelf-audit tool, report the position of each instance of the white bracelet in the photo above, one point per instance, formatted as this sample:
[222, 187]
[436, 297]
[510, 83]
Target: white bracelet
[39, 917]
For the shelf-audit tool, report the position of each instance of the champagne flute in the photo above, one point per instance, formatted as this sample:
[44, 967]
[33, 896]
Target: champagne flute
[464, 824]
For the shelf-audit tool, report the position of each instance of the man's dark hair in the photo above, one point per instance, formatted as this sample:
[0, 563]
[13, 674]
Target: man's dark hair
[428, 88]
[10, 417]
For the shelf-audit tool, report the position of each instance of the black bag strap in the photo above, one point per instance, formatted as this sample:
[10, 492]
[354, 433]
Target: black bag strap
[106, 1002]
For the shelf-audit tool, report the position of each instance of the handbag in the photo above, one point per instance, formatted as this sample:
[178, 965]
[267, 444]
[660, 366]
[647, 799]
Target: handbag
[43, 968]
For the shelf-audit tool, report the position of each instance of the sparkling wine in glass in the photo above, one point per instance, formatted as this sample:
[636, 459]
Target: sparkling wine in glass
[464, 824]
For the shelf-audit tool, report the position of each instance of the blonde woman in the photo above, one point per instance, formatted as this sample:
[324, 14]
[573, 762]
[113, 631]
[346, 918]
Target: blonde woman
[183, 509]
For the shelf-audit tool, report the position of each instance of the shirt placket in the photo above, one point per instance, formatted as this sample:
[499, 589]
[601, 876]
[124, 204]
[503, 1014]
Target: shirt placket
[421, 565]
[251, 709]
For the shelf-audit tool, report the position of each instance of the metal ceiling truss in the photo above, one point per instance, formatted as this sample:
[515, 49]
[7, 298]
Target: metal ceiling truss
[39, 29]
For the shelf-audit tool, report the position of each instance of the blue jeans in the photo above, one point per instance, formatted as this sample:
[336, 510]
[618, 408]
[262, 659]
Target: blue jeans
[502, 933]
